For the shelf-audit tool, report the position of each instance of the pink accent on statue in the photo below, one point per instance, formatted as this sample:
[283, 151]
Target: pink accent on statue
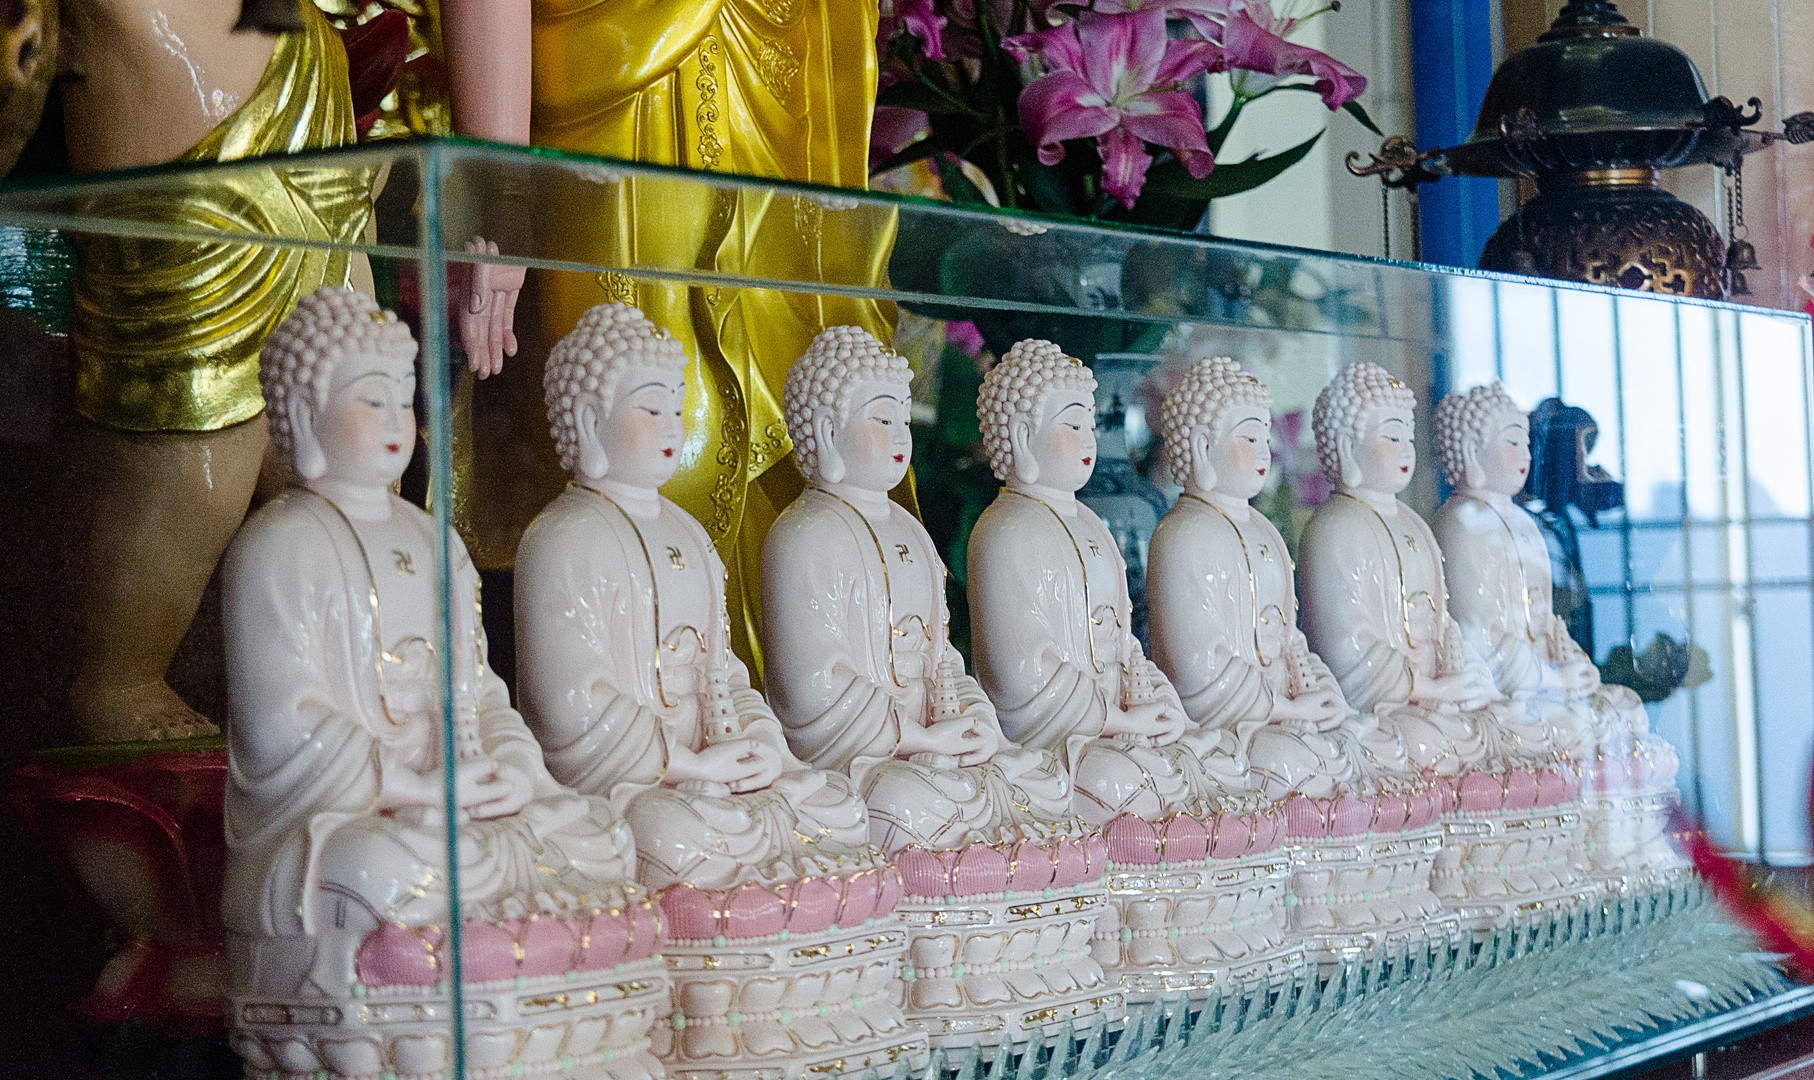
[753, 911]
[1184, 838]
[396, 956]
[1555, 787]
[985, 869]
[1306, 818]
[1520, 789]
[1481, 792]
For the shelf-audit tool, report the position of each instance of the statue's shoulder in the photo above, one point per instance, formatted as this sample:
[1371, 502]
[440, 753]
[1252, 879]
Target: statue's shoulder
[808, 525]
[1005, 522]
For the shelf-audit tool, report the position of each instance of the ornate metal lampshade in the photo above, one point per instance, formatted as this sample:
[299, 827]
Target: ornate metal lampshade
[1593, 112]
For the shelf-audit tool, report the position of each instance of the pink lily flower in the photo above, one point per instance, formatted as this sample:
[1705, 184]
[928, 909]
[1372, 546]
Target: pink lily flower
[1116, 77]
[1253, 36]
[919, 18]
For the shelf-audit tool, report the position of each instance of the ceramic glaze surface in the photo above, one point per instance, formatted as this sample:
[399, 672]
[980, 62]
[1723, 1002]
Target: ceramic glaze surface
[1500, 594]
[1225, 630]
[864, 678]
[629, 682]
[336, 883]
[1197, 872]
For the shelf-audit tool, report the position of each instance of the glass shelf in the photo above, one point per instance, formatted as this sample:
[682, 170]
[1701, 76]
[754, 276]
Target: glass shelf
[1701, 414]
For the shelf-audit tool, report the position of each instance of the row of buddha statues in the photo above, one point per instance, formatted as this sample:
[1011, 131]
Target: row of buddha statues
[660, 869]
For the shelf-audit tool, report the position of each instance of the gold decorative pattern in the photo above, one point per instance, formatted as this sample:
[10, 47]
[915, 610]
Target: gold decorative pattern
[779, 69]
[617, 287]
[706, 114]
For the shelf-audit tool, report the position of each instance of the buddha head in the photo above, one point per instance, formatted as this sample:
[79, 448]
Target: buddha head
[339, 378]
[615, 387]
[1037, 410]
[1365, 430]
[1483, 440]
[1217, 426]
[847, 404]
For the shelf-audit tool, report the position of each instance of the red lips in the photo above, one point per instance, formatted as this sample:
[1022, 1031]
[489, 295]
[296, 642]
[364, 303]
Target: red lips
[1262, 472]
[898, 458]
[1086, 461]
[668, 452]
[393, 447]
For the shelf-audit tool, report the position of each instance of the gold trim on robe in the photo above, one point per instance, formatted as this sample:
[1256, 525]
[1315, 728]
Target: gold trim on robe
[167, 333]
[774, 88]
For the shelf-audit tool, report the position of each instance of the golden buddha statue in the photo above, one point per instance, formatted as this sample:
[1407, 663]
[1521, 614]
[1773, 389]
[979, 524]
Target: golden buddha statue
[771, 88]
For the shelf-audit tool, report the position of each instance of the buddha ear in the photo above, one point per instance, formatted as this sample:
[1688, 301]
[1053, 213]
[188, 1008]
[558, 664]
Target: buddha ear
[1020, 440]
[831, 463]
[588, 422]
[310, 461]
[1472, 474]
[1349, 464]
[1202, 473]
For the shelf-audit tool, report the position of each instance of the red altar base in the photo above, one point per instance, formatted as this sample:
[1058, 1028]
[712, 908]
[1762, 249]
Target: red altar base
[136, 831]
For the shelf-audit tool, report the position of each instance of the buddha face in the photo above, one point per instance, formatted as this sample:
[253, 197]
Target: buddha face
[1061, 449]
[869, 440]
[1502, 458]
[1385, 455]
[1242, 456]
[638, 441]
[367, 433]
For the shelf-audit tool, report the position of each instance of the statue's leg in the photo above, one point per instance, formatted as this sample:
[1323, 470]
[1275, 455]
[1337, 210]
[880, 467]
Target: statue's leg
[166, 506]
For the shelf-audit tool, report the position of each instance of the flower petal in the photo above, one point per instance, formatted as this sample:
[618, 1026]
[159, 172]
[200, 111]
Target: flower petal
[1172, 120]
[1253, 47]
[1051, 111]
[1124, 164]
[1185, 58]
[1058, 46]
[923, 21]
[1115, 50]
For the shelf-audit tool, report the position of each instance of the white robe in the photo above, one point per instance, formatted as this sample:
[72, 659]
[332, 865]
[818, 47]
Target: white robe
[1353, 595]
[312, 739]
[1533, 659]
[1231, 654]
[832, 686]
[586, 656]
[1032, 629]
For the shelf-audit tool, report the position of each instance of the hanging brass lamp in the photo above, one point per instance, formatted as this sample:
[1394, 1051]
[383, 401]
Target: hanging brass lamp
[1594, 112]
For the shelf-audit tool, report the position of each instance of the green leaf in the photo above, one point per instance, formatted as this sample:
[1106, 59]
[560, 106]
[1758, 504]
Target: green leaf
[914, 95]
[1218, 135]
[1359, 112]
[1352, 108]
[1226, 179]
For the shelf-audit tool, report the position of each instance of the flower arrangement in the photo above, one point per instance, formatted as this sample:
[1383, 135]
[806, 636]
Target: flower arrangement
[1087, 109]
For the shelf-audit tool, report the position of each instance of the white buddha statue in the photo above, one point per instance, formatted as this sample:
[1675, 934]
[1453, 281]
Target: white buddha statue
[1049, 607]
[1224, 630]
[1375, 608]
[1054, 650]
[1500, 592]
[628, 681]
[863, 676]
[337, 878]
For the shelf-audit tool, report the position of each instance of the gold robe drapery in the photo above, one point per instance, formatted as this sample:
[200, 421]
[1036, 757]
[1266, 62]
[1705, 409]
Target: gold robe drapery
[167, 332]
[771, 88]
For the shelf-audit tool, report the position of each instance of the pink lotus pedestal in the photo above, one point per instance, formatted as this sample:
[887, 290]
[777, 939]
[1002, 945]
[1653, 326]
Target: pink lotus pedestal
[1197, 903]
[1627, 802]
[569, 997]
[1000, 939]
[1360, 872]
[1511, 845]
[793, 979]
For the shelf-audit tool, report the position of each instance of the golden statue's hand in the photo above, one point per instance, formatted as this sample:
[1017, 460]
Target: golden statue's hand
[488, 317]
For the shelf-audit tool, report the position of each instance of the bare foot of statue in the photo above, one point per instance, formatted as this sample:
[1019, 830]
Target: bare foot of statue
[143, 712]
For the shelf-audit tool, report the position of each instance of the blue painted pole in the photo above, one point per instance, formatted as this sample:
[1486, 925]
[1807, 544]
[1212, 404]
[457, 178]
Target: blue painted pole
[1451, 64]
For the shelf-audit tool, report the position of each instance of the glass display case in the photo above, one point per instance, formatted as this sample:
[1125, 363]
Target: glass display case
[1673, 482]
